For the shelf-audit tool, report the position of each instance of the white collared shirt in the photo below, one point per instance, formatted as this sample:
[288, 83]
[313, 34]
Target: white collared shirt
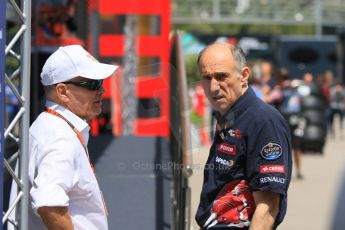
[60, 173]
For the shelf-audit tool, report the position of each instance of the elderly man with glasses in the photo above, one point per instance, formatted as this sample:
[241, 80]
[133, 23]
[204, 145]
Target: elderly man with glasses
[64, 193]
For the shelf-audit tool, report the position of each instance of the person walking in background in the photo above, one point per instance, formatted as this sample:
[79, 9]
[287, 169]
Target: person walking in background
[254, 83]
[328, 83]
[267, 74]
[267, 81]
[313, 112]
[199, 110]
[337, 105]
[64, 192]
[248, 170]
[269, 87]
[291, 109]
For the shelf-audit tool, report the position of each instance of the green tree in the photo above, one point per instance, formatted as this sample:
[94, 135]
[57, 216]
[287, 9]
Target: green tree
[192, 70]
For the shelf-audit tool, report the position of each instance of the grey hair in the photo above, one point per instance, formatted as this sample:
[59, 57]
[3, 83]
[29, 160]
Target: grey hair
[237, 53]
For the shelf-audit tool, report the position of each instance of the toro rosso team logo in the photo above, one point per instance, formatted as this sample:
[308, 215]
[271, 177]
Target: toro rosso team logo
[235, 133]
[271, 151]
[233, 206]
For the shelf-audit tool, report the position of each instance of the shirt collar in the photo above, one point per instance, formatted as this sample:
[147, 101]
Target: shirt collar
[80, 124]
[245, 100]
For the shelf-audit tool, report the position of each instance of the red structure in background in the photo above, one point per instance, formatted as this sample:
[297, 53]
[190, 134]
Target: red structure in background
[152, 46]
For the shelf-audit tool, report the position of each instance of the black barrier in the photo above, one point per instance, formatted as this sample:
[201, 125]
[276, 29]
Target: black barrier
[307, 54]
[2, 94]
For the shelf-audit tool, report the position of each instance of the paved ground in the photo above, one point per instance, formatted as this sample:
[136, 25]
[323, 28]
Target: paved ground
[311, 200]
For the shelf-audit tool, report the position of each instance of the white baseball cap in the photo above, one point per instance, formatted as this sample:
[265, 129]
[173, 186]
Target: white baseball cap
[73, 61]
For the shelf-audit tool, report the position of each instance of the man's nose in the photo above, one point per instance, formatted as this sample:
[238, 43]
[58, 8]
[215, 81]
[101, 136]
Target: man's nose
[214, 86]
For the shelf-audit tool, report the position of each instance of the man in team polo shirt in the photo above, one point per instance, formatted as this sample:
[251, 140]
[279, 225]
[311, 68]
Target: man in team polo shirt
[248, 170]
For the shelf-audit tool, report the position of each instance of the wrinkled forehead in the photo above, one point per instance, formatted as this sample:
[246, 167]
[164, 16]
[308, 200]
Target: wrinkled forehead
[217, 58]
[214, 68]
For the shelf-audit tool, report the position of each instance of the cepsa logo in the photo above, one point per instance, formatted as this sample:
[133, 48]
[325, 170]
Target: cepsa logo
[227, 149]
[272, 168]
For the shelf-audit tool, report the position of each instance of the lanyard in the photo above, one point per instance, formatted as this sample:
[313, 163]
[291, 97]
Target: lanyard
[79, 135]
[222, 131]
[82, 141]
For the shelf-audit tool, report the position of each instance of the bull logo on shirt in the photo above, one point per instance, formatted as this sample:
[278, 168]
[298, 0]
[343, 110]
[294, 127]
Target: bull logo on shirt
[235, 133]
[233, 206]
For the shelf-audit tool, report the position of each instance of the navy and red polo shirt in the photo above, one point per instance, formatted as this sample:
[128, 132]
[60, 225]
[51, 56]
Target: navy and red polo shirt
[252, 152]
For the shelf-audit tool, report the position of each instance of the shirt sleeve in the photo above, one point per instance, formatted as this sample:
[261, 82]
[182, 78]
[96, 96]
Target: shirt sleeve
[55, 173]
[268, 163]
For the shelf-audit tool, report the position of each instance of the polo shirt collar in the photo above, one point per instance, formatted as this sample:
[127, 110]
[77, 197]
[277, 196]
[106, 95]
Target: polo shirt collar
[80, 124]
[247, 99]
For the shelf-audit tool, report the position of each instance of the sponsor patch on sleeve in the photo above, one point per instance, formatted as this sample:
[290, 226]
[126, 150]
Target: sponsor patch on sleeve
[272, 179]
[272, 168]
[227, 149]
[271, 151]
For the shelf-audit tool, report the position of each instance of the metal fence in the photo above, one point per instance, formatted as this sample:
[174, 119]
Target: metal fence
[17, 81]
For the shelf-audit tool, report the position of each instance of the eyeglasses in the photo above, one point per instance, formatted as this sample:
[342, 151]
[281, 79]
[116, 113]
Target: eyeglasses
[90, 85]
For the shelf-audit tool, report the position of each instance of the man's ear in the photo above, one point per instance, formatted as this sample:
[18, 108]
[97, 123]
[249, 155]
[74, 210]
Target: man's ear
[61, 92]
[245, 76]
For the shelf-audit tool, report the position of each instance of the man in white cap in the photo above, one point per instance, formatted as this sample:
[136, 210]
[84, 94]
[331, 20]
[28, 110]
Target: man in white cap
[64, 193]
